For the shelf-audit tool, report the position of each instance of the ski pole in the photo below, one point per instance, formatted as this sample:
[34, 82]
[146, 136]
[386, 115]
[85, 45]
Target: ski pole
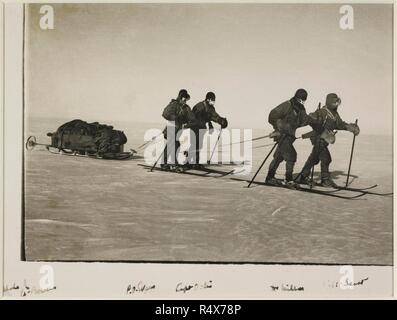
[216, 143]
[351, 157]
[309, 135]
[268, 155]
[311, 177]
[301, 172]
[161, 155]
[318, 148]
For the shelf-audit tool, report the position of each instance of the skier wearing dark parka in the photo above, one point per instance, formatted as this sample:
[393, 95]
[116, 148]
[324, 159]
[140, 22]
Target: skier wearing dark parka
[205, 113]
[322, 135]
[178, 112]
[285, 119]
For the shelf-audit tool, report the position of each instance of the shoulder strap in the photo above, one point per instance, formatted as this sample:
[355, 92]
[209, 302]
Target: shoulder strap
[329, 114]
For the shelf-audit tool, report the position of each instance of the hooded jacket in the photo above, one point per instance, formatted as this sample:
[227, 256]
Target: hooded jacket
[205, 113]
[292, 116]
[181, 114]
[328, 117]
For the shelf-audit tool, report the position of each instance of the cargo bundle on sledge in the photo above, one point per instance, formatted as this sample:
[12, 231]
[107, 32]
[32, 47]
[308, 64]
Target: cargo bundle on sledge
[80, 138]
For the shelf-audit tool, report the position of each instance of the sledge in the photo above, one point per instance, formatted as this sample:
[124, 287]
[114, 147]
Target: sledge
[81, 139]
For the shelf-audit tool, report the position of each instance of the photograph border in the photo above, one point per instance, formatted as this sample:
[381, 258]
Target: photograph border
[373, 268]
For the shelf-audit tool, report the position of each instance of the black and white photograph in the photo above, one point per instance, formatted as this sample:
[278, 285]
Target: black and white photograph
[227, 134]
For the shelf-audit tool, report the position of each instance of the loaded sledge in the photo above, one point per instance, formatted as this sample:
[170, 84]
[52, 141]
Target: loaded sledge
[83, 139]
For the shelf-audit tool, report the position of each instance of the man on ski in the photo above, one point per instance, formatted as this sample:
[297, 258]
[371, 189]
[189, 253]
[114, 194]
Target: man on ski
[204, 113]
[285, 119]
[322, 135]
[178, 113]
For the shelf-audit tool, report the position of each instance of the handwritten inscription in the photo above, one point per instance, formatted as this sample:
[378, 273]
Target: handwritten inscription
[347, 283]
[25, 290]
[287, 287]
[140, 288]
[181, 287]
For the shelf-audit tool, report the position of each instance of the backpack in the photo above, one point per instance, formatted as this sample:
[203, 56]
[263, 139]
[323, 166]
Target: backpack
[170, 112]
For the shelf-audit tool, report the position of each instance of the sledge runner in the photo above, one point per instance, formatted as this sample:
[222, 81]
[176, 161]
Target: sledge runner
[178, 113]
[204, 113]
[285, 119]
[322, 135]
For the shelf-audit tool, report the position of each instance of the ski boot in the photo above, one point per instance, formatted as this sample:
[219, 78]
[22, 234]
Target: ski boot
[328, 183]
[289, 180]
[198, 166]
[178, 169]
[291, 184]
[165, 167]
[273, 181]
[305, 180]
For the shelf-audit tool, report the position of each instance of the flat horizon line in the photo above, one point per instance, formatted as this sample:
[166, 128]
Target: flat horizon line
[162, 124]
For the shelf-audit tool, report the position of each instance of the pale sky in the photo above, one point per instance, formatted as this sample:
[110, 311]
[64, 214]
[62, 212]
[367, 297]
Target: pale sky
[111, 62]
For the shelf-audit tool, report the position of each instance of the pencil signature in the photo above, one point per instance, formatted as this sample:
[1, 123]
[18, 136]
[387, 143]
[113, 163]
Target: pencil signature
[140, 287]
[287, 287]
[347, 283]
[181, 287]
[25, 289]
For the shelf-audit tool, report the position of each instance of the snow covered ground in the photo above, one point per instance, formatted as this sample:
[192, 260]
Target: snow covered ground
[86, 209]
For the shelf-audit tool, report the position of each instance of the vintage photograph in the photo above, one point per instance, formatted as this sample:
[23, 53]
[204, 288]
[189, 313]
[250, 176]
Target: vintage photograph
[208, 133]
